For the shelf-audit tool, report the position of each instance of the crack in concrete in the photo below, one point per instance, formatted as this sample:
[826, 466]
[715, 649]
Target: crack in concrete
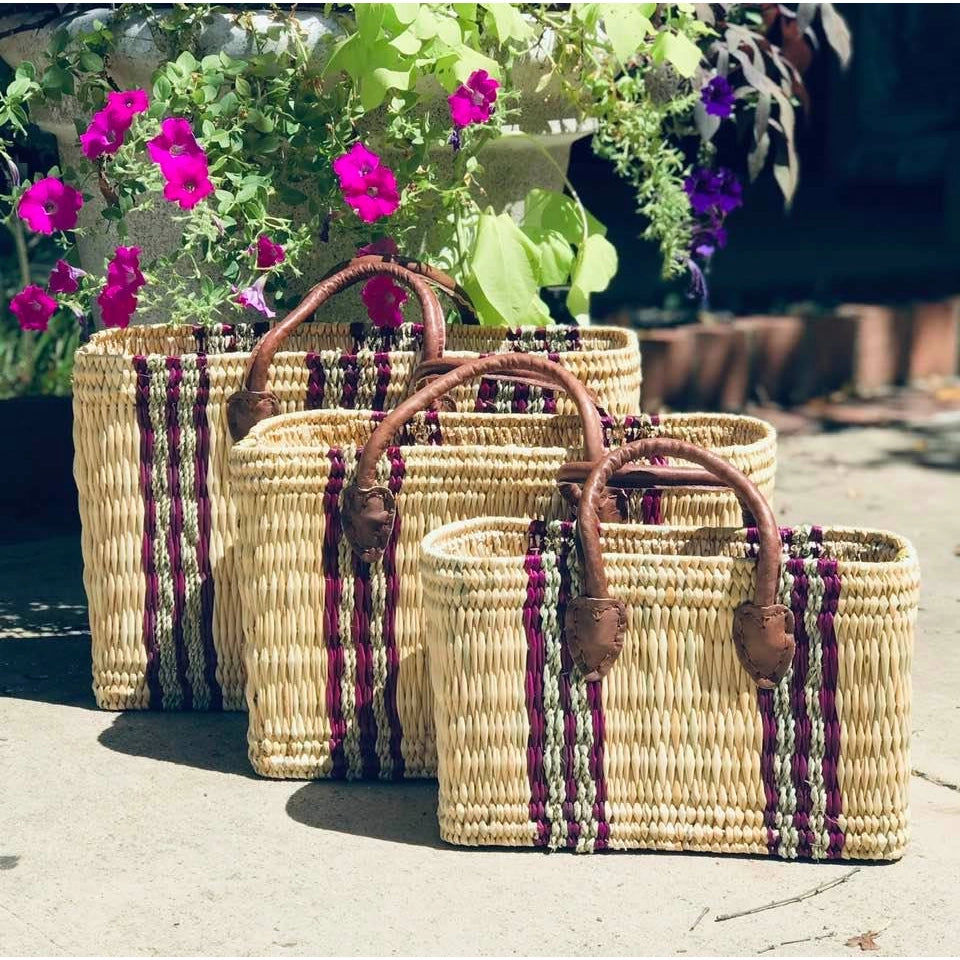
[930, 778]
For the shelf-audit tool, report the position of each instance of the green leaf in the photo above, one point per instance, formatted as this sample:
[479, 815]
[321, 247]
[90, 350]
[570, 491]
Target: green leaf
[242, 87]
[465, 11]
[508, 23]
[504, 274]
[187, 62]
[556, 255]
[291, 196]
[404, 13]
[27, 70]
[549, 210]
[407, 43]
[162, 88]
[596, 266]
[247, 192]
[57, 80]
[678, 50]
[369, 18]
[59, 41]
[260, 122]
[626, 27]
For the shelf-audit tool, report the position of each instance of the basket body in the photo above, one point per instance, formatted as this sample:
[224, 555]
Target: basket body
[337, 682]
[151, 443]
[675, 749]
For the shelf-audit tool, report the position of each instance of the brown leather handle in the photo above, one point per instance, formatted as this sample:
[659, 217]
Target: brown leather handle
[443, 281]
[368, 510]
[254, 403]
[763, 630]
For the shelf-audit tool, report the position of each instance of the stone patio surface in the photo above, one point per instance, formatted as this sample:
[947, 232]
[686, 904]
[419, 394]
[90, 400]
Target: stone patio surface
[148, 834]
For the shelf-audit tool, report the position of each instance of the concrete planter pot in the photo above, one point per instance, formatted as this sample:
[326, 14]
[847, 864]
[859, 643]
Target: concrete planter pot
[513, 165]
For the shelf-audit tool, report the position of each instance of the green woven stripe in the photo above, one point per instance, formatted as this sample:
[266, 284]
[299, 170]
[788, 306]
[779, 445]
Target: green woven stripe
[818, 793]
[552, 709]
[783, 759]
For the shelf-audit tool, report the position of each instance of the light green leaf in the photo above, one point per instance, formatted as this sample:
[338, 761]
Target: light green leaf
[678, 50]
[596, 266]
[187, 62]
[508, 23]
[407, 43]
[627, 28]
[376, 83]
[549, 210]
[455, 68]
[369, 20]
[465, 11]
[403, 12]
[504, 271]
[556, 255]
[92, 62]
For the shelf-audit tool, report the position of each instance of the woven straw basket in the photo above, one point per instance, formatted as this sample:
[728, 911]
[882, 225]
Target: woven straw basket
[639, 687]
[151, 437]
[336, 671]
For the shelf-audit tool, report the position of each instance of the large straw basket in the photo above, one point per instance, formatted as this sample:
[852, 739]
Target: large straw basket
[151, 435]
[713, 689]
[328, 552]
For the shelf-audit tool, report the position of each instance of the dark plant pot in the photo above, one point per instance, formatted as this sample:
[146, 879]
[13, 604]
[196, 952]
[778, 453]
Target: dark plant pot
[722, 371]
[37, 490]
[776, 356]
[831, 348]
[667, 358]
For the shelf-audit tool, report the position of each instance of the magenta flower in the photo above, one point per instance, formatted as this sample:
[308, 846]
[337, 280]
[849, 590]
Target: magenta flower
[269, 254]
[64, 278]
[105, 133]
[253, 297]
[472, 102]
[33, 308]
[384, 301]
[174, 141]
[382, 247]
[717, 97]
[187, 181]
[368, 186]
[123, 271]
[50, 205]
[127, 102]
[117, 305]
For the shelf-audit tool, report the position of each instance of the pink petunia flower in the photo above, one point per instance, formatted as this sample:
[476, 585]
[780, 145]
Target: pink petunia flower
[127, 102]
[253, 297]
[187, 181]
[64, 278]
[50, 205]
[354, 166]
[382, 247]
[269, 254]
[33, 308]
[384, 300]
[174, 141]
[123, 271]
[368, 186]
[105, 133]
[117, 305]
[472, 102]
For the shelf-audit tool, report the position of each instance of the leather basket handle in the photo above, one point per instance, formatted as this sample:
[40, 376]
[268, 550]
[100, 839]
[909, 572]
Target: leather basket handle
[368, 510]
[595, 622]
[254, 402]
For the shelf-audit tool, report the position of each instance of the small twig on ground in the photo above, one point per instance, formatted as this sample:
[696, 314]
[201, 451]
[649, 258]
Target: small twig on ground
[782, 903]
[789, 943]
[930, 778]
[703, 913]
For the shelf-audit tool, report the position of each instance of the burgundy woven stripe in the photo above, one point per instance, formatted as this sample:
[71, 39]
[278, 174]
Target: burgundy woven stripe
[331, 611]
[651, 504]
[802, 731]
[521, 398]
[536, 662]
[398, 471]
[574, 340]
[363, 649]
[486, 395]
[550, 396]
[432, 419]
[174, 379]
[598, 763]
[768, 746]
[830, 576]
[569, 716]
[200, 338]
[316, 381]
[201, 466]
[148, 560]
[351, 375]
[382, 361]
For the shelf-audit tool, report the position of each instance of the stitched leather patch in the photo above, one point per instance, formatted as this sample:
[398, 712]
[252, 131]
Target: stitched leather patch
[763, 637]
[595, 628]
[246, 408]
[367, 517]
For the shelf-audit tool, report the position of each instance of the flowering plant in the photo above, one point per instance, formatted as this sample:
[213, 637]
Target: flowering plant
[261, 158]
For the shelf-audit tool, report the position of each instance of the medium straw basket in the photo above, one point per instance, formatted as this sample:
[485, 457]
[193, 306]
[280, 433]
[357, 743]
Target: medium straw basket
[711, 689]
[151, 411]
[333, 507]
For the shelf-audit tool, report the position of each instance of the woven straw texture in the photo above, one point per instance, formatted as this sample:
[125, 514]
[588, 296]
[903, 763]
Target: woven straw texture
[151, 442]
[675, 749]
[337, 680]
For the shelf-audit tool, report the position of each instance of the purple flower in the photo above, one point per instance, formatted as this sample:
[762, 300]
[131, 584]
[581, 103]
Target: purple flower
[252, 297]
[713, 192]
[698, 284]
[717, 97]
[269, 254]
[472, 102]
[64, 278]
[707, 240]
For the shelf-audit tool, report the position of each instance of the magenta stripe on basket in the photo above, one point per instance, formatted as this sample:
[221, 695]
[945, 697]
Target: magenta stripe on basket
[201, 466]
[333, 586]
[574, 340]
[549, 395]
[802, 730]
[768, 745]
[398, 471]
[382, 361]
[651, 504]
[830, 576]
[486, 396]
[363, 686]
[569, 716]
[350, 366]
[174, 534]
[536, 662]
[148, 559]
[316, 381]
[520, 401]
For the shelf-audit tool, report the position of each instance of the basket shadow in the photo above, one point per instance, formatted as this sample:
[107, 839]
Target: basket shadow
[207, 741]
[404, 812]
[50, 669]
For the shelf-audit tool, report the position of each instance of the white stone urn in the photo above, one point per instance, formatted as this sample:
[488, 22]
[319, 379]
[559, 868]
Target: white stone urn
[512, 165]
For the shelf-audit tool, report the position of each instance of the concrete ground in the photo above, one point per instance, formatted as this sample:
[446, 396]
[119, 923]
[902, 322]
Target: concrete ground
[148, 834]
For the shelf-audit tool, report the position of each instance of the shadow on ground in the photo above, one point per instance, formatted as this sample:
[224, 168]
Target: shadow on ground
[397, 812]
[207, 741]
